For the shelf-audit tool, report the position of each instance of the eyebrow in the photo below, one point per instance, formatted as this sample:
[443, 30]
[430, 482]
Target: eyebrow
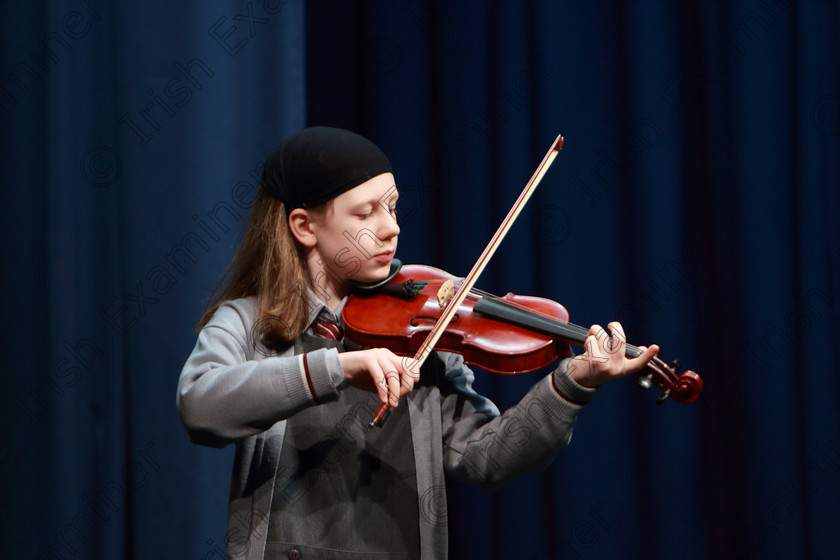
[382, 200]
[390, 196]
[393, 198]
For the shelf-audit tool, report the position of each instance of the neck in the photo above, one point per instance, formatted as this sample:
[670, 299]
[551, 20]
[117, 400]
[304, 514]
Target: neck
[327, 283]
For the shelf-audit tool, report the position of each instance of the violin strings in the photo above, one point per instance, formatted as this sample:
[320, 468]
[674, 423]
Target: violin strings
[578, 332]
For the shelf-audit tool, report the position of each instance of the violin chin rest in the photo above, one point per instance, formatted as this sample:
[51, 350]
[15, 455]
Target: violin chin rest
[362, 287]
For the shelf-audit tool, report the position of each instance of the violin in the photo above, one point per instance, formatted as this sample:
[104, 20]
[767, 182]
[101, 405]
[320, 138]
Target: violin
[511, 334]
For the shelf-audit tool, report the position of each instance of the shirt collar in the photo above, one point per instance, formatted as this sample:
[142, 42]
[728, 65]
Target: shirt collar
[320, 311]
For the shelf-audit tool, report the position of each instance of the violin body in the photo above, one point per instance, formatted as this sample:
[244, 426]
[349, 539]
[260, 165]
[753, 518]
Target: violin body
[401, 325]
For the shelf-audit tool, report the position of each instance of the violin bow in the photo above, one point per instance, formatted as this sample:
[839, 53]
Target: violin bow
[413, 367]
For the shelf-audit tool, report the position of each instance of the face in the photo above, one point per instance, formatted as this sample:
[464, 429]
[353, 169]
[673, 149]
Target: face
[356, 237]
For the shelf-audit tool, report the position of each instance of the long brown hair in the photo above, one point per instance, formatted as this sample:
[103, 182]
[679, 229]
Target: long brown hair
[270, 265]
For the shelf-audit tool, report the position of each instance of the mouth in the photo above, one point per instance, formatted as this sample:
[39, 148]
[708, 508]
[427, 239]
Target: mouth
[385, 257]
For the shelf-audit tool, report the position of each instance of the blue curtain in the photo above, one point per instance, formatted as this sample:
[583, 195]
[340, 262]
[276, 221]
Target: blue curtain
[132, 139]
[695, 199]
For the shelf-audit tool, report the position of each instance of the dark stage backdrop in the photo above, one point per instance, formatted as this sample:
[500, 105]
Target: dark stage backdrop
[695, 200]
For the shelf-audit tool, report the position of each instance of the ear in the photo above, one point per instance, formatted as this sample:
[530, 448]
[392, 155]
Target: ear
[301, 224]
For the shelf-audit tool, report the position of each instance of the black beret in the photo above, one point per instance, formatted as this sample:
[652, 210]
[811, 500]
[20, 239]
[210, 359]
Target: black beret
[319, 163]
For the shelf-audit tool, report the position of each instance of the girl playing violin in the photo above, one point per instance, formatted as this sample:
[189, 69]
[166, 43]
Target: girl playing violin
[271, 374]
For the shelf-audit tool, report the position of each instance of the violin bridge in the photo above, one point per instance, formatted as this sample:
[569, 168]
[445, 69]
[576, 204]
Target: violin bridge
[445, 293]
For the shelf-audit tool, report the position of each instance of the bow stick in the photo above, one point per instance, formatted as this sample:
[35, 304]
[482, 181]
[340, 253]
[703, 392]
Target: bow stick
[468, 282]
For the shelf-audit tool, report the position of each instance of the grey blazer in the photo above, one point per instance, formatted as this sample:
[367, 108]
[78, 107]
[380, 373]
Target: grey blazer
[233, 390]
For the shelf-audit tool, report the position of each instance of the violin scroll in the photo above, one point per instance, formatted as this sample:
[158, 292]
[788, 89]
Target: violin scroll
[683, 388]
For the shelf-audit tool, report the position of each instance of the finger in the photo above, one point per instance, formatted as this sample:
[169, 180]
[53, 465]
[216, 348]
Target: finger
[411, 366]
[590, 341]
[374, 365]
[380, 383]
[648, 353]
[653, 349]
[406, 382]
[614, 344]
[392, 382]
[617, 333]
[616, 328]
[405, 388]
[610, 341]
[398, 385]
[596, 341]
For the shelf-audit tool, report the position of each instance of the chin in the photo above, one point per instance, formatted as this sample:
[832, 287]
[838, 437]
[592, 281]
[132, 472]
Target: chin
[374, 272]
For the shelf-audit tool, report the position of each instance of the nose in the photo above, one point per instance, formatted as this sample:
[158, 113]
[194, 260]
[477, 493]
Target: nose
[389, 227]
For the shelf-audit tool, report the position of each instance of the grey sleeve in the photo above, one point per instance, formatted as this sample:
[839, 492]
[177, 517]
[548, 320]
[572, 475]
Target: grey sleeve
[227, 391]
[488, 449]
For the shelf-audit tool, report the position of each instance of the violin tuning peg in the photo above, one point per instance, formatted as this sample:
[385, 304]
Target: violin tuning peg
[663, 397]
[660, 353]
[676, 365]
[645, 382]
